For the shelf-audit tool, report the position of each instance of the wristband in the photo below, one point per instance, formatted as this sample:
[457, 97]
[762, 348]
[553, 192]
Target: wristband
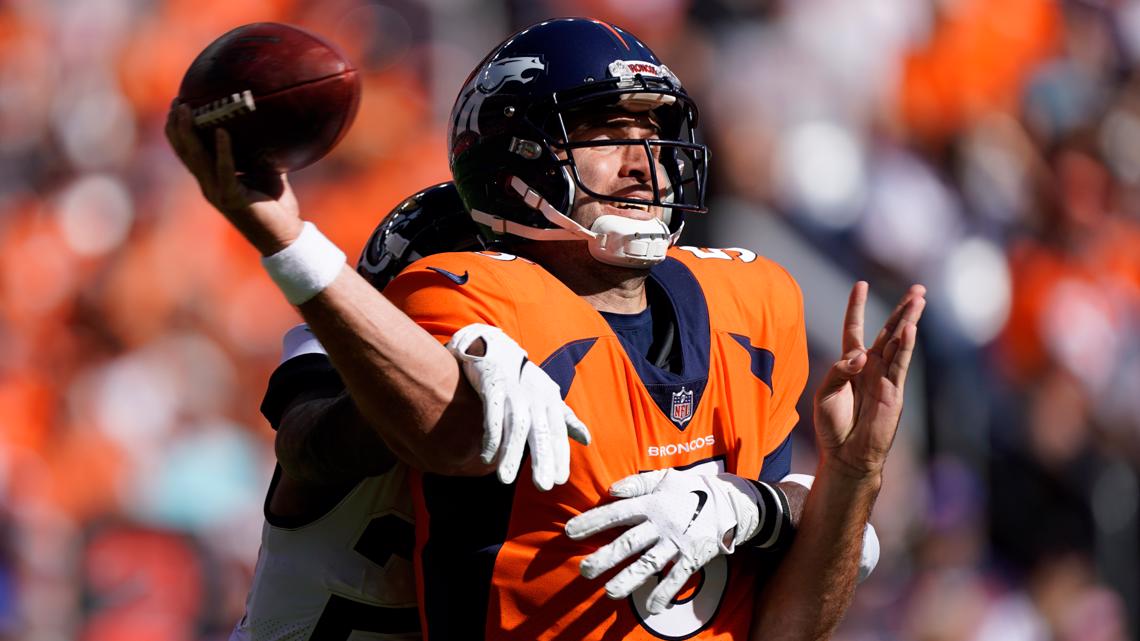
[306, 267]
[799, 479]
[776, 529]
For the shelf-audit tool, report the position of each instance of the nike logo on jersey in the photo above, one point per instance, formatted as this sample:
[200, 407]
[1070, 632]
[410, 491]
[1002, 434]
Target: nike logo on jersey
[455, 278]
[702, 498]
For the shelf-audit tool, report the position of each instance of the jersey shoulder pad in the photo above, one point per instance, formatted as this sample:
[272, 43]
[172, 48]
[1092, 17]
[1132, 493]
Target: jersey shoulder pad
[476, 270]
[736, 268]
[744, 288]
[303, 377]
[444, 292]
[734, 258]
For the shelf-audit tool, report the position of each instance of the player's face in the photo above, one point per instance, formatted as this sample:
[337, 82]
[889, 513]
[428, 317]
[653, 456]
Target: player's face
[616, 170]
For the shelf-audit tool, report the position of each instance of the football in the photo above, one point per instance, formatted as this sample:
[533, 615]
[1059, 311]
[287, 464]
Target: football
[285, 95]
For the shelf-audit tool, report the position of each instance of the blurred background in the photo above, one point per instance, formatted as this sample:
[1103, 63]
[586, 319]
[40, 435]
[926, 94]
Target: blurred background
[989, 149]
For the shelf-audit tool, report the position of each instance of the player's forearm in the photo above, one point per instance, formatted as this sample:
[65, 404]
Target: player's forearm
[811, 590]
[404, 383]
[325, 442]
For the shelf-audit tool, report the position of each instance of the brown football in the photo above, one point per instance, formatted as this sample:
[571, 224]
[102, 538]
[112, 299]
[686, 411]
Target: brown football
[285, 95]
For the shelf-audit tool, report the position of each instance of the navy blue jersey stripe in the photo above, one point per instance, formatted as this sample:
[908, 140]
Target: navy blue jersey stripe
[778, 462]
[560, 365]
[678, 395]
[762, 360]
[692, 313]
[468, 519]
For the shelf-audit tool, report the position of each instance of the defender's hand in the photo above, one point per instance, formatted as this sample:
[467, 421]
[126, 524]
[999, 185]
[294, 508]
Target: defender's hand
[858, 405]
[261, 206]
[521, 406]
[686, 517]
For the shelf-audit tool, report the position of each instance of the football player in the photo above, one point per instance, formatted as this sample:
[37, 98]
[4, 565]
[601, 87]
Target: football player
[337, 541]
[574, 142]
[336, 549]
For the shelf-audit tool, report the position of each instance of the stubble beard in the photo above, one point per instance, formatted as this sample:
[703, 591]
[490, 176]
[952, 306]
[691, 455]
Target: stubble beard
[570, 261]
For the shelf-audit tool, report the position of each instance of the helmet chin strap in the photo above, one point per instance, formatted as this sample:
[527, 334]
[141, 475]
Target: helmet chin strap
[613, 240]
[627, 242]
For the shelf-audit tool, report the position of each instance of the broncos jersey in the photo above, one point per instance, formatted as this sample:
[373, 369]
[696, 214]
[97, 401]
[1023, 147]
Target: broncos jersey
[347, 574]
[492, 560]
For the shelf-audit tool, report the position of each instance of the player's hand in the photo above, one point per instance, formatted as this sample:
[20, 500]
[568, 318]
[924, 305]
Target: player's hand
[683, 517]
[858, 405]
[261, 206]
[521, 406]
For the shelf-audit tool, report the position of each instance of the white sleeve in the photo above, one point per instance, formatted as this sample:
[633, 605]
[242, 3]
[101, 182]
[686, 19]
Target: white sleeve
[298, 341]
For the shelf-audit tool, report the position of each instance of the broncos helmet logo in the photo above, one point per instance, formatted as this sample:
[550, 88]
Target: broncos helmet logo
[490, 81]
[507, 70]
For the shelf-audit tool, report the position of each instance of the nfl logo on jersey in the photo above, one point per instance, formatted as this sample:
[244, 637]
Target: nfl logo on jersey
[682, 407]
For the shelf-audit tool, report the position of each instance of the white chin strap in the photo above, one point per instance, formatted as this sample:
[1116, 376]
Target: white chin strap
[613, 240]
[632, 243]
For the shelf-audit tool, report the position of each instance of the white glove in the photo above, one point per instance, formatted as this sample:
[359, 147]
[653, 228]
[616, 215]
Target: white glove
[521, 405]
[870, 555]
[687, 518]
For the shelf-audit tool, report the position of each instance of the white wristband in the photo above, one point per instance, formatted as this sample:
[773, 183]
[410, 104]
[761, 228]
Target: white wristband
[799, 479]
[307, 266]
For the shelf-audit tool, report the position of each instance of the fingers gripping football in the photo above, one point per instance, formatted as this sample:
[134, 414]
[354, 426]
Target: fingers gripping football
[521, 406]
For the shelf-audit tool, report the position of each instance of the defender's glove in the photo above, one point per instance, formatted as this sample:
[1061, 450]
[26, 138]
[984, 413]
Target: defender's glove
[687, 518]
[521, 405]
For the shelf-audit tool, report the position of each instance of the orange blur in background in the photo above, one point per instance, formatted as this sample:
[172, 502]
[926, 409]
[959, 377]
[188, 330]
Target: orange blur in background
[988, 149]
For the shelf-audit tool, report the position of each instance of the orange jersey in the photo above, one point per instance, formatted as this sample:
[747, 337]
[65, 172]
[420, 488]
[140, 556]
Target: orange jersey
[495, 557]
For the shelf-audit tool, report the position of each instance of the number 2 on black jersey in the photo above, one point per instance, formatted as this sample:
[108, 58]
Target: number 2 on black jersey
[385, 536]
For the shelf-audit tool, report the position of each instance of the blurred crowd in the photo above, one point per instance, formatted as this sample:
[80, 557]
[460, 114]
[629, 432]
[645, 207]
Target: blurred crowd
[988, 149]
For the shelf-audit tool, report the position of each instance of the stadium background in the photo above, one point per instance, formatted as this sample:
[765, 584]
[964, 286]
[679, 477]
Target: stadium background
[990, 150]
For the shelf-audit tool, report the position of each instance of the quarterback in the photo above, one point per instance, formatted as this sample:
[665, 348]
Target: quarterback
[572, 144]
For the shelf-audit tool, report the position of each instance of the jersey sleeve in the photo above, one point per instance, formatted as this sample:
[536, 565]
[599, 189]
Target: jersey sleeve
[790, 369]
[778, 462]
[309, 375]
[446, 292]
[305, 371]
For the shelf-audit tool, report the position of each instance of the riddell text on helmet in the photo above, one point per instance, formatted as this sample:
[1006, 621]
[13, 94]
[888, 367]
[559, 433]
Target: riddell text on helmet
[692, 446]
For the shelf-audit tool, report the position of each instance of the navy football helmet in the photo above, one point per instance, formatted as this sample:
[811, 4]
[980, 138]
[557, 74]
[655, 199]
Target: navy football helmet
[429, 222]
[509, 151]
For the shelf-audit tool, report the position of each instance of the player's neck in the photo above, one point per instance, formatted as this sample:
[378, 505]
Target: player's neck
[607, 288]
[619, 300]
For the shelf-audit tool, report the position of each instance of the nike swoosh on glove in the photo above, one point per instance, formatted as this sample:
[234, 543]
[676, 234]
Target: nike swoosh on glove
[521, 406]
[684, 517]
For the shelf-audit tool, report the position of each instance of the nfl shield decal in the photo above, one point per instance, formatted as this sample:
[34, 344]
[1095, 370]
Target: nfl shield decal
[682, 407]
